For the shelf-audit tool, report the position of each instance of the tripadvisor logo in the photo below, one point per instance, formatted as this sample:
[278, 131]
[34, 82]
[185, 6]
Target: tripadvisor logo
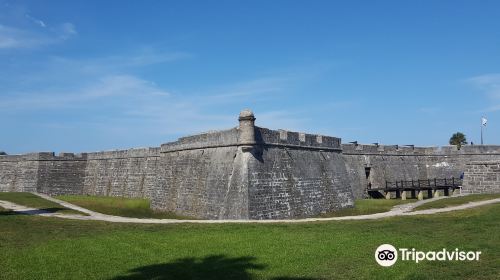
[387, 255]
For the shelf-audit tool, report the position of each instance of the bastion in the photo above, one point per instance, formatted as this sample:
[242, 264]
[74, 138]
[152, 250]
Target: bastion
[247, 172]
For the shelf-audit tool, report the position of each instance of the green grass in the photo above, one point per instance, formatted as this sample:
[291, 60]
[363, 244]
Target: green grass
[454, 201]
[368, 206]
[33, 247]
[33, 201]
[119, 206]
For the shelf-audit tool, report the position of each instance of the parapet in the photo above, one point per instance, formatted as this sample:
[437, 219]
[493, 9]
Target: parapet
[223, 138]
[296, 139]
[363, 149]
[123, 154]
[45, 156]
[247, 135]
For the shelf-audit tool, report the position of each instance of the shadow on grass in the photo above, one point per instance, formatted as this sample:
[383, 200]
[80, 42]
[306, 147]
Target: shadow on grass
[32, 212]
[210, 267]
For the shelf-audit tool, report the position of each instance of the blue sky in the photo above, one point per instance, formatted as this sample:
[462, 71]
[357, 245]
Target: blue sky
[80, 76]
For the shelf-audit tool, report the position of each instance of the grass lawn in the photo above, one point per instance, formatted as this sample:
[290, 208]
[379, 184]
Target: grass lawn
[50, 248]
[454, 201]
[368, 206]
[31, 200]
[119, 206]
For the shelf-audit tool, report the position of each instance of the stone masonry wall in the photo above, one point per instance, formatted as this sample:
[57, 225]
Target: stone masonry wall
[482, 177]
[206, 183]
[202, 176]
[19, 173]
[210, 176]
[291, 183]
[127, 173]
[295, 175]
[62, 174]
[391, 163]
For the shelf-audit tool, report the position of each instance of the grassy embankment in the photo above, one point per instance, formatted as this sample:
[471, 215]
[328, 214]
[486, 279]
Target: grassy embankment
[139, 208]
[119, 206]
[34, 247]
[33, 201]
[368, 206]
[454, 201]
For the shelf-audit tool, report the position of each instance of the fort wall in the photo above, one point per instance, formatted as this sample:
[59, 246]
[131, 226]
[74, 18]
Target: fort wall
[391, 163]
[247, 172]
[281, 174]
[296, 175]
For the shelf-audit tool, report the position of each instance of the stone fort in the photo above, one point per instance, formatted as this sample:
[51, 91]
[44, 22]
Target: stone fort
[248, 172]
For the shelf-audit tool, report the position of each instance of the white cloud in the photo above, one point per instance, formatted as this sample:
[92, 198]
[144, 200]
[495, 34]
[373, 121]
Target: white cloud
[19, 29]
[111, 96]
[13, 38]
[113, 64]
[67, 30]
[122, 85]
[150, 57]
[36, 21]
[123, 101]
[118, 86]
[16, 38]
[490, 85]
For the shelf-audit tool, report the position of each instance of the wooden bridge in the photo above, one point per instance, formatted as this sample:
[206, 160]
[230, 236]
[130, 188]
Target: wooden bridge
[416, 188]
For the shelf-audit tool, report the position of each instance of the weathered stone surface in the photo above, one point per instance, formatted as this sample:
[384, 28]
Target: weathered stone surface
[207, 183]
[19, 173]
[291, 182]
[62, 174]
[129, 173]
[482, 177]
[391, 163]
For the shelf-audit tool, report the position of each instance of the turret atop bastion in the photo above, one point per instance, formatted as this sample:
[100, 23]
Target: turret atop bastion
[246, 137]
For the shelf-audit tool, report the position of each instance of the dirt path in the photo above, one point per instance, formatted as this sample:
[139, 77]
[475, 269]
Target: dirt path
[399, 210]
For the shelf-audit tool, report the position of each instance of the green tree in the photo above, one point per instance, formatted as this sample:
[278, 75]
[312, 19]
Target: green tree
[458, 139]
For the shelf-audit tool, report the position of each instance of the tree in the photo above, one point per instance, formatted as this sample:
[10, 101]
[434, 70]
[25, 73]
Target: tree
[458, 139]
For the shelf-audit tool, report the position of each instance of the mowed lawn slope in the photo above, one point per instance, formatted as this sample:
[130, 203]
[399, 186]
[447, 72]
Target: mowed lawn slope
[140, 208]
[33, 201]
[119, 206]
[50, 248]
[454, 201]
[368, 206]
